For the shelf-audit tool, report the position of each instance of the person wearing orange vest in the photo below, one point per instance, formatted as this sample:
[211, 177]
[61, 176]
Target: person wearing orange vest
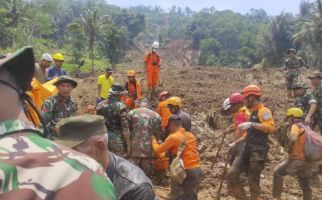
[152, 68]
[134, 90]
[240, 115]
[190, 157]
[296, 164]
[163, 109]
[255, 149]
[161, 162]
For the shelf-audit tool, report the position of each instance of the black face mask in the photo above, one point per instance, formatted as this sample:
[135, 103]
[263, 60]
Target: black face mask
[28, 101]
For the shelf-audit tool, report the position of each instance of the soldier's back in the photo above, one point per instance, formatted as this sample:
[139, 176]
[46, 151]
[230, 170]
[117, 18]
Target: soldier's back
[111, 111]
[144, 123]
[32, 167]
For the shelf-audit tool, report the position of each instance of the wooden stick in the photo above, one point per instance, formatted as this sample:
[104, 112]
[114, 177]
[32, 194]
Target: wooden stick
[223, 177]
[218, 151]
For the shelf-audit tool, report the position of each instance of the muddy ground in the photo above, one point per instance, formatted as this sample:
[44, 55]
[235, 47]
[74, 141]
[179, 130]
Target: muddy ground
[203, 90]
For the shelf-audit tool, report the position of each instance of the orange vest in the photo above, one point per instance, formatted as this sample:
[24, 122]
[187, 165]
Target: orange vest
[164, 112]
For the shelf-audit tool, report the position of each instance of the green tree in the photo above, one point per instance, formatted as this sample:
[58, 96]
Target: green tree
[111, 43]
[77, 40]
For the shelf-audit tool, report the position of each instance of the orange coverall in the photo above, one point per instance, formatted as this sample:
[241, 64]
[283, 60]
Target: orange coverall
[152, 61]
[164, 112]
[135, 93]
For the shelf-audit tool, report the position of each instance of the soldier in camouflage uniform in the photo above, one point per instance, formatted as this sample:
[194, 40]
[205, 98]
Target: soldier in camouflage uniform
[115, 114]
[31, 166]
[292, 67]
[60, 105]
[305, 100]
[317, 92]
[88, 134]
[144, 123]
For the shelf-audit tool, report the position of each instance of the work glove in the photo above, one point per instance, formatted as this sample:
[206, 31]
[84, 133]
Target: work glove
[231, 145]
[245, 126]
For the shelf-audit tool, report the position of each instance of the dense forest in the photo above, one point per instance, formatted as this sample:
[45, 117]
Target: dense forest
[96, 30]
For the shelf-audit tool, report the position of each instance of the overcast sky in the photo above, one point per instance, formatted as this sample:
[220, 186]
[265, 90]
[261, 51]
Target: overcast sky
[272, 7]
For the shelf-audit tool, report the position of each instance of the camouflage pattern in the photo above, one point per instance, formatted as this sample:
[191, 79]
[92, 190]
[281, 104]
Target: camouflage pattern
[317, 124]
[292, 66]
[144, 123]
[115, 115]
[32, 167]
[56, 108]
[304, 101]
[317, 93]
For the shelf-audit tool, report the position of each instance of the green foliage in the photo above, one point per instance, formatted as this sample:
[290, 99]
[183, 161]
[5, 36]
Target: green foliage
[112, 41]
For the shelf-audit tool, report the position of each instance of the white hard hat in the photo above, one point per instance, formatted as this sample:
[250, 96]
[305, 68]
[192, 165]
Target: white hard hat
[47, 56]
[226, 105]
[155, 45]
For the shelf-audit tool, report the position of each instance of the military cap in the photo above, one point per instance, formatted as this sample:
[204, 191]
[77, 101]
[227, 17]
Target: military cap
[21, 65]
[143, 103]
[291, 50]
[116, 89]
[316, 74]
[65, 79]
[299, 86]
[109, 70]
[75, 130]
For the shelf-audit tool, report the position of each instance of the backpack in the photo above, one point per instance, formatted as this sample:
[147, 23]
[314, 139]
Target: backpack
[177, 170]
[312, 144]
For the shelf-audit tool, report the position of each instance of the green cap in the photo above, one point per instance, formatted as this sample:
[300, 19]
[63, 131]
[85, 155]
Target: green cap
[21, 65]
[65, 79]
[299, 86]
[75, 130]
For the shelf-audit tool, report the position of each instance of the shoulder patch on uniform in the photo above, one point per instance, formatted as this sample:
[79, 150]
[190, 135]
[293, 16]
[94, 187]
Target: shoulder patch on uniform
[266, 115]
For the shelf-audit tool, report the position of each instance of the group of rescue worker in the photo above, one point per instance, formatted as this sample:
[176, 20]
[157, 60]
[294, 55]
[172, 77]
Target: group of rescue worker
[131, 142]
[252, 123]
[114, 153]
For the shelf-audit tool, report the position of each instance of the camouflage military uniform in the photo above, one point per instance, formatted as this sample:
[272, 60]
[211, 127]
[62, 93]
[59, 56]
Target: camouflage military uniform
[32, 167]
[292, 66]
[317, 93]
[54, 109]
[144, 123]
[115, 114]
[304, 101]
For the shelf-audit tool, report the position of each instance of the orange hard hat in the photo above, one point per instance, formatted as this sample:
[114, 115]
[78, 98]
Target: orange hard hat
[251, 90]
[131, 73]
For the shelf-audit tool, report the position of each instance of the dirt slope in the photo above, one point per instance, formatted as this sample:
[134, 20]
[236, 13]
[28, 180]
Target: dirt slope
[203, 90]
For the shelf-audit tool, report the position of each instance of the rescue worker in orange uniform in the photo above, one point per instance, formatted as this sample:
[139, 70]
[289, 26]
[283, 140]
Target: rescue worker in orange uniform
[134, 90]
[296, 163]
[240, 115]
[152, 69]
[189, 189]
[163, 109]
[255, 148]
[161, 163]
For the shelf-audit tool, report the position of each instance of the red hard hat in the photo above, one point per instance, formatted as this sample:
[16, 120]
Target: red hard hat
[236, 98]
